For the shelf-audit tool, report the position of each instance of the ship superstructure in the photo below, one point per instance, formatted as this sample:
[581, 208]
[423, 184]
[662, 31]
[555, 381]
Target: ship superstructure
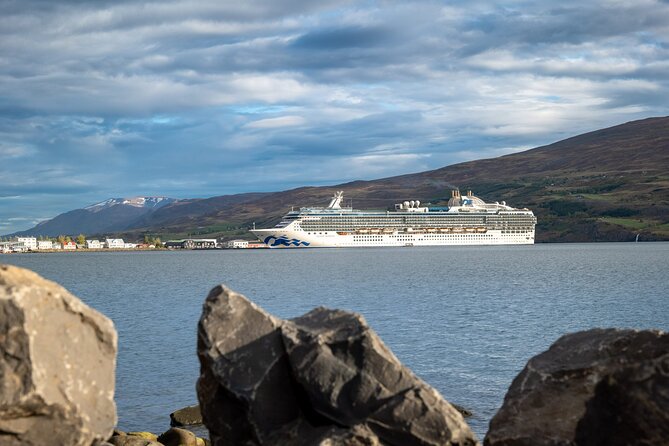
[467, 220]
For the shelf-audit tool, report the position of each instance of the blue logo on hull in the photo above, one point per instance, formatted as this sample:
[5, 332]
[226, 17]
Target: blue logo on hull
[284, 241]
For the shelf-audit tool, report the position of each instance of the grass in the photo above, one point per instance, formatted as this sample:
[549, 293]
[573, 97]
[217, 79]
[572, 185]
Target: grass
[632, 223]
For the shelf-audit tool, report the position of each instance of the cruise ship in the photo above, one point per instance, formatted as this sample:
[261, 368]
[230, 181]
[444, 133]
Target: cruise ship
[467, 220]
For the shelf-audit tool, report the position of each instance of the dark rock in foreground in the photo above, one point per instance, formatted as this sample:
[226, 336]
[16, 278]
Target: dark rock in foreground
[188, 416]
[57, 360]
[178, 437]
[596, 387]
[323, 378]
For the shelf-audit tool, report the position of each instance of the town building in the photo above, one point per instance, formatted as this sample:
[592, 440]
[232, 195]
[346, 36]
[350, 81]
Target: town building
[93, 244]
[69, 246]
[29, 242]
[9, 247]
[114, 243]
[44, 244]
[237, 244]
[192, 243]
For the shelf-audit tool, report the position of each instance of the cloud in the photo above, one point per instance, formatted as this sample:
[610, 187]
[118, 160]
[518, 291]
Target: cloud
[270, 123]
[198, 98]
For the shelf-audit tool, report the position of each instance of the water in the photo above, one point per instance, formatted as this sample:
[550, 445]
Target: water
[465, 319]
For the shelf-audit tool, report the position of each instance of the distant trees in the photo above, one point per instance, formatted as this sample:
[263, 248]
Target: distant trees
[81, 239]
[155, 241]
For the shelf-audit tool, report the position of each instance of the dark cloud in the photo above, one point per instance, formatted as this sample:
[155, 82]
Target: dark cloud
[185, 98]
[345, 38]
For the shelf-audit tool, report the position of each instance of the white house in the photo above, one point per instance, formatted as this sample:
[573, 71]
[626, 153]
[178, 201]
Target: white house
[237, 244]
[44, 244]
[130, 245]
[69, 246]
[93, 244]
[29, 242]
[114, 243]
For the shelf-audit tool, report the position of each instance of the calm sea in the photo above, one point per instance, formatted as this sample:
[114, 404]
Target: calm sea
[465, 319]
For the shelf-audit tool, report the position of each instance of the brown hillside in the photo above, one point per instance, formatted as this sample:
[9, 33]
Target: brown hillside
[609, 184]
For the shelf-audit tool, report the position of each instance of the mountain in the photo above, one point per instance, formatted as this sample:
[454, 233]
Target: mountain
[113, 215]
[606, 185]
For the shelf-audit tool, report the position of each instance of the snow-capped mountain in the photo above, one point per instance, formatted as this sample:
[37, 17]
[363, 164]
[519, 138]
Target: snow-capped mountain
[139, 202]
[109, 216]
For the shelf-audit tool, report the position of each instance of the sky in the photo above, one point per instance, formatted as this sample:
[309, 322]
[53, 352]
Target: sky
[186, 98]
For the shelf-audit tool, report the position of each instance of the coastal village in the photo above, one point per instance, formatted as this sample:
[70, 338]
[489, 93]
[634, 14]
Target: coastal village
[33, 244]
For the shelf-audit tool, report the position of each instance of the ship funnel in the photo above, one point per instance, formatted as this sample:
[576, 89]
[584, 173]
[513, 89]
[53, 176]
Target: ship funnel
[413, 203]
[335, 203]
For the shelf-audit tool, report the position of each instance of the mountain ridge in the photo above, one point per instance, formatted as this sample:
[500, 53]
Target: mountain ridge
[606, 185]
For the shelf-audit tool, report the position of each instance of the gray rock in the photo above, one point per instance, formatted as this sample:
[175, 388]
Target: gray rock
[596, 387]
[178, 437]
[352, 378]
[303, 434]
[322, 379]
[131, 440]
[56, 367]
[245, 388]
[629, 407]
[188, 416]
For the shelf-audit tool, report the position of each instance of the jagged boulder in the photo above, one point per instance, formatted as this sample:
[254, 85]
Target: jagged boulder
[324, 379]
[57, 364]
[245, 388]
[352, 378]
[596, 387]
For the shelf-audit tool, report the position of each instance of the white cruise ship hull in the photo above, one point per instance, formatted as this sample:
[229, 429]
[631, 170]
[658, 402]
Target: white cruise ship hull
[283, 238]
[467, 220]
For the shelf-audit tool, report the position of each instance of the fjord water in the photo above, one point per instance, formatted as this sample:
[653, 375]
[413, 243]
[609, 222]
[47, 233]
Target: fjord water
[465, 319]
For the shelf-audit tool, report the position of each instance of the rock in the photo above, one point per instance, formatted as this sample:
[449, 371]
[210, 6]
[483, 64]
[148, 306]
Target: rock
[178, 437]
[596, 387]
[463, 411]
[303, 434]
[187, 416]
[57, 366]
[322, 379]
[352, 378]
[131, 440]
[245, 388]
[143, 434]
[630, 407]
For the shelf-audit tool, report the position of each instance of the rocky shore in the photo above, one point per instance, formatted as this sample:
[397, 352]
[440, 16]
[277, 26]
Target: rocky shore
[324, 378]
